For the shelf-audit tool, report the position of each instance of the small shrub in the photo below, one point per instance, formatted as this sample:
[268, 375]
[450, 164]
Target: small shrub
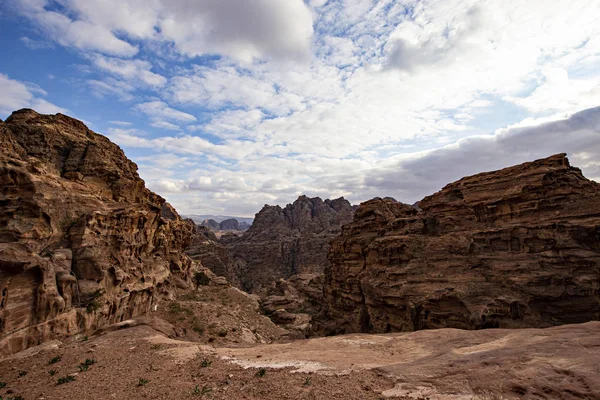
[261, 372]
[142, 382]
[83, 368]
[223, 332]
[13, 398]
[205, 363]
[22, 373]
[54, 360]
[307, 381]
[52, 372]
[156, 347]
[2, 385]
[201, 279]
[89, 361]
[205, 390]
[199, 329]
[65, 379]
[91, 303]
[85, 338]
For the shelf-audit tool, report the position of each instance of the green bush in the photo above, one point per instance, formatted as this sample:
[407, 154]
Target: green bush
[65, 379]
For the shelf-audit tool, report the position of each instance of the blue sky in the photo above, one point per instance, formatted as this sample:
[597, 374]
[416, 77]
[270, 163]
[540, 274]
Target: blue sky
[227, 105]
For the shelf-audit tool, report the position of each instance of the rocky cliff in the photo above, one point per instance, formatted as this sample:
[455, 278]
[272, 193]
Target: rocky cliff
[283, 242]
[206, 248]
[83, 243]
[519, 247]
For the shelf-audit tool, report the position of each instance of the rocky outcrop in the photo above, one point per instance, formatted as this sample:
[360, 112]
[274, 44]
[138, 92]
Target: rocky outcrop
[229, 224]
[83, 243]
[210, 223]
[206, 248]
[283, 242]
[293, 303]
[519, 247]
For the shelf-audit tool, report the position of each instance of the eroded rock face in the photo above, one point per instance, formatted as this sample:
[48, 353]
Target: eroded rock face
[83, 243]
[519, 247]
[293, 303]
[206, 248]
[283, 242]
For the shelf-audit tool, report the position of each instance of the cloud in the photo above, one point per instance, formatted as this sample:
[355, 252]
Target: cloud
[158, 110]
[136, 70]
[35, 44]
[81, 34]
[15, 95]
[110, 86]
[358, 98]
[120, 123]
[241, 29]
[414, 176]
[407, 177]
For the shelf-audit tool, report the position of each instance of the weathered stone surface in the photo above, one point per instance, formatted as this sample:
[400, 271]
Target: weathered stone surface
[206, 248]
[519, 247]
[229, 224]
[293, 303]
[83, 243]
[283, 242]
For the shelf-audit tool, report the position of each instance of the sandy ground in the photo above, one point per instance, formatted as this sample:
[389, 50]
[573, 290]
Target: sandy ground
[142, 363]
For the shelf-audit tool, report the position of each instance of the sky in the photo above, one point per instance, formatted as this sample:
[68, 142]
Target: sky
[227, 105]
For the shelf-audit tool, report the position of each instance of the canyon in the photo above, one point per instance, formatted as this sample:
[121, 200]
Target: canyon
[94, 264]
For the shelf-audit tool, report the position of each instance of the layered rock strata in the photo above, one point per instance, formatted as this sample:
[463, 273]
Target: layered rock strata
[283, 242]
[83, 243]
[514, 248]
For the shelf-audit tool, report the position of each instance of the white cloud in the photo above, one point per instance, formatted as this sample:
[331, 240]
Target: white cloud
[407, 177]
[137, 70]
[356, 106]
[160, 114]
[111, 86]
[81, 34]
[15, 95]
[120, 123]
[241, 29]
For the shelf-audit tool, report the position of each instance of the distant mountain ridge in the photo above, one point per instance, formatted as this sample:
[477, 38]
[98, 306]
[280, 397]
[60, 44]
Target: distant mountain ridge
[230, 224]
[199, 218]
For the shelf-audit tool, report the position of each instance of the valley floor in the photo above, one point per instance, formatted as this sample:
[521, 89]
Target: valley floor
[140, 362]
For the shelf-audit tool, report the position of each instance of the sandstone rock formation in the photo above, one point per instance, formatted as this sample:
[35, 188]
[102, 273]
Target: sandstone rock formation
[210, 223]
[283, 242]
[293, 303]
[206, 248]
[83, 243]
[514, 248]
[229, 224]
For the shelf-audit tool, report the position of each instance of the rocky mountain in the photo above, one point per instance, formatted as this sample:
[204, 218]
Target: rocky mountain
[210, 223]
[514, 248]
[283, 242]
[83, 243]
[206, 248]
[230, 224]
